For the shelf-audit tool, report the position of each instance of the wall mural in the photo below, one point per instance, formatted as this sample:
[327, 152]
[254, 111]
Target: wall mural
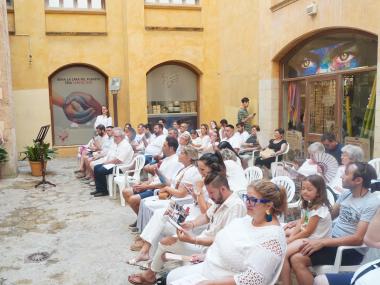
[77, 94]
[332, 53]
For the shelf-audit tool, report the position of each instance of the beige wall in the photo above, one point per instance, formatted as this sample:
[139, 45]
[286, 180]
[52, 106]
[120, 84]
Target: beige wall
[282, 29]
[235, 46]
[130, 39]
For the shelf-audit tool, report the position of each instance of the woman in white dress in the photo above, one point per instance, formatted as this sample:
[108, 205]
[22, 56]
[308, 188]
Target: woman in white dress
[158, 225]
[204, 138]
[248, 250]
[105, 119]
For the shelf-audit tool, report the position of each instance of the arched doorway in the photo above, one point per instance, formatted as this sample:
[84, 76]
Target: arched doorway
[172, 90]
[328, 85]
[77, 93]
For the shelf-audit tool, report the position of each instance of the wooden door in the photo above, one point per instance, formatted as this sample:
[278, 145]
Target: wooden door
[322, 112]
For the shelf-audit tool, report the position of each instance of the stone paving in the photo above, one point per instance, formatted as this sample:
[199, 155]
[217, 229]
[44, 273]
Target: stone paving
[86, 238]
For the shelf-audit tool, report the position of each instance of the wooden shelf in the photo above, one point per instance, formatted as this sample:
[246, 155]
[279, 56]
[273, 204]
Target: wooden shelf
[188, 114]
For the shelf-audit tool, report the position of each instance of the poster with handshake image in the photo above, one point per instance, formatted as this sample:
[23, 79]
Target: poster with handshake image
[77, 96]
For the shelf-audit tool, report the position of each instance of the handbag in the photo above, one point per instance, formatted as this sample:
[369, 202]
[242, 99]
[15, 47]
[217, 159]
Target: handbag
[267, 153]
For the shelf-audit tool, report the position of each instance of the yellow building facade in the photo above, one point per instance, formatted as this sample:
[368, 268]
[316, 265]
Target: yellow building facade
[234, 49]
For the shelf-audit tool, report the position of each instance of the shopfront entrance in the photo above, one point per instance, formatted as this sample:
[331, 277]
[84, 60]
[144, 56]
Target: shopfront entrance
[329, 86]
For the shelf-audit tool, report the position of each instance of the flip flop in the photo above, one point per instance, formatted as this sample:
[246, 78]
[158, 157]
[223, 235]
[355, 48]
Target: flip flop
[142, 264]
[138, 279]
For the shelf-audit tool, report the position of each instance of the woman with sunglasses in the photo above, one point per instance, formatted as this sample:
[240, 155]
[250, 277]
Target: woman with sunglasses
[158, 226]
[249, 250]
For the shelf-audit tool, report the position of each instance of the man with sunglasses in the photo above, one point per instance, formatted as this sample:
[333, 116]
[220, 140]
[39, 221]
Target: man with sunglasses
[353, 211]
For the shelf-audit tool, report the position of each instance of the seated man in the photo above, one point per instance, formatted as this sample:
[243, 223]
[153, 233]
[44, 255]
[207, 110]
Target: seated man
[94, 145]
[370, 271]
[154, 147]
[353, 211]
[332, 146]
[169, 168]
[233, 138]
[104, 143]
[121, 153]
[227, 207]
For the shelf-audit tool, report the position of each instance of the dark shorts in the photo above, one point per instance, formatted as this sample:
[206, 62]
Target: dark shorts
[343, 278]
[146, 194]
[326, 256]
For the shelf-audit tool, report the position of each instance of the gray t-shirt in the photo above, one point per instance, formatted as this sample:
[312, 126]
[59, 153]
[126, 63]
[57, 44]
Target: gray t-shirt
[352, 211]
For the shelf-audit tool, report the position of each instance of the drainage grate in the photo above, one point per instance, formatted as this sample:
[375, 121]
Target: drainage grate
[37, 257]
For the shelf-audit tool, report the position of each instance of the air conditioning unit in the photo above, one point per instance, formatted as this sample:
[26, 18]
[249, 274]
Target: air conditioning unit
[312, 9]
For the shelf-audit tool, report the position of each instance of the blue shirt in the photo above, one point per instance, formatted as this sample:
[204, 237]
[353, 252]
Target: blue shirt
[337, 153]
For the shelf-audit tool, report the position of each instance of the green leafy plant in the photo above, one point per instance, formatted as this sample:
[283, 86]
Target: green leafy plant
[35, 151]
[3, 155]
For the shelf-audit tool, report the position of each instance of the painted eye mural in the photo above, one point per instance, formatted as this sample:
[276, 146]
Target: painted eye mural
[331, 53]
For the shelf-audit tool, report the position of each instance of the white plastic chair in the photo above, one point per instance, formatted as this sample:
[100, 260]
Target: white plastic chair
[376, 164]
[337, 266]
[253, 173]
[122, 178]
[288, 184]
[285, 152]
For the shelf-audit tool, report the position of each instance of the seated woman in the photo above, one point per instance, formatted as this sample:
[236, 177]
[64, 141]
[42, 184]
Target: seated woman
[203, 139]
[189, 174]
[213, 144]
[277, 145]
[310, 167]
[158, 225]
[350, 154]
[249, 250]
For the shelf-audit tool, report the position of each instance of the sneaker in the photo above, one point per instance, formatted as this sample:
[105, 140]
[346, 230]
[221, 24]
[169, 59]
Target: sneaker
[133, 225]
[92, 183]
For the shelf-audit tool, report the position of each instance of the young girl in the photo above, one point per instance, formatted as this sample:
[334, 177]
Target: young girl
[315, 222]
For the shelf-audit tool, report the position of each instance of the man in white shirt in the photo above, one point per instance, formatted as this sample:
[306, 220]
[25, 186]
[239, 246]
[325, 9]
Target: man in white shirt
[121, 153]
[183, 129]
[156, 142]
[104, 141]
[244, 135]
[227, 207]
[232, 137]
[168, 168]
[164, 130]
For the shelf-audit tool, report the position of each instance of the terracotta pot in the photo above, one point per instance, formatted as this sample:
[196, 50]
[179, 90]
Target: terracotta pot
[35, 166]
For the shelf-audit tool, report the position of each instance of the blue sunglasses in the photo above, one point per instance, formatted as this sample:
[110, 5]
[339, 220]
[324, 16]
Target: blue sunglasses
[253, 200]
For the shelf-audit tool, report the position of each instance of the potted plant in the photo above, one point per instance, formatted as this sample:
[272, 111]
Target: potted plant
[34, 153]
[3, 155]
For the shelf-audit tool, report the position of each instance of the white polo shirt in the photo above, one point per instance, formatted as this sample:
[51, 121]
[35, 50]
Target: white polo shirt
[155, 145]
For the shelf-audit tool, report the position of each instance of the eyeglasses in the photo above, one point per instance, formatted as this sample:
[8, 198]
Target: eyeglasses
[253, 200]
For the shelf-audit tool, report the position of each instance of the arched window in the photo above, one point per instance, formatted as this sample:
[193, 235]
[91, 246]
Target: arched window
[329, 86]
[77, 93]
[172, 94]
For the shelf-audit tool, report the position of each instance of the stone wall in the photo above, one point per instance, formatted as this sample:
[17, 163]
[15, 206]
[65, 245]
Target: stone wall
[7, 126]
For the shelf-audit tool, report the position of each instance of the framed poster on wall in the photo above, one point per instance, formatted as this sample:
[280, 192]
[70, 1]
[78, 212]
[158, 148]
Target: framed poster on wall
[77, 95]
